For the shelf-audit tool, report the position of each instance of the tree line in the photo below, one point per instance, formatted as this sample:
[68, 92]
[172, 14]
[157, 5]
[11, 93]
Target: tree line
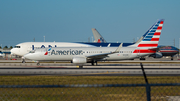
[6, 47]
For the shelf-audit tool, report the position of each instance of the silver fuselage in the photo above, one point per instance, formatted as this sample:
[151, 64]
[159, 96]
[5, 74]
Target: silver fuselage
[68, 53]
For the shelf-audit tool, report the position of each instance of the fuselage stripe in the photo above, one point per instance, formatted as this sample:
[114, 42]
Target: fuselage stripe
[147, 45]
[144, 51]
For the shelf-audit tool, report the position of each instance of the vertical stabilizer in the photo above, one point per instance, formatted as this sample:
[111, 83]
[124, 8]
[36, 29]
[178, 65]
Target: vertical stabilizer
[150, 39]
[97, 36]
[147, 32]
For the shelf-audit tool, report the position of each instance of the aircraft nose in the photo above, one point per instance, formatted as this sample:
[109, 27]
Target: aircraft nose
[28, 56]
[15, 51]
[31, 56]
[12, 51]
[18, 51]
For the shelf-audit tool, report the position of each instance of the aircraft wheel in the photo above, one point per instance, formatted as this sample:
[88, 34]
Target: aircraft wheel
[142, 59]
[23, 61]
[38, 63]
[171, 58]
[96, 63]
[80, 66]
[92, 63]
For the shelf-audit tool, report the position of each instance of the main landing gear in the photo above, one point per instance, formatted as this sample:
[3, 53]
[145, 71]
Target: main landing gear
[92, 63]
[80, 66]
[38, 64]
[142, 58]
[171, 58]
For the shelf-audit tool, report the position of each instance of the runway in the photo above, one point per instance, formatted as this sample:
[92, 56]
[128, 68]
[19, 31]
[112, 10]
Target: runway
[115, 68]
[90, 71]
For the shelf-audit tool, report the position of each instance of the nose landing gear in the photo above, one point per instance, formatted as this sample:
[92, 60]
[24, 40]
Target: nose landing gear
[38, 64]
[23, 60]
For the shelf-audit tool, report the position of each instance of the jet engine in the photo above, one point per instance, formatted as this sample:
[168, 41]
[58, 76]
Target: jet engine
[156, 55]
[79, 60]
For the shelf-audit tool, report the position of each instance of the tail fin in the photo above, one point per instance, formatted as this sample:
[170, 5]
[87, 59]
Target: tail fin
[97, 36]
[150, 39]
[150, 29]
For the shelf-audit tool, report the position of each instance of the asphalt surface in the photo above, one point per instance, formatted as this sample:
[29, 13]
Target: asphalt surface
[91, 71]
[153, 67]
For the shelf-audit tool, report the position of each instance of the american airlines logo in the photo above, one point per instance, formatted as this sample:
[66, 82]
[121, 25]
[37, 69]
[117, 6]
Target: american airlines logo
[67, 52]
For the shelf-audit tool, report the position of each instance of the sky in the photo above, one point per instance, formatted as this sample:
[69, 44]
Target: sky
[72, 20]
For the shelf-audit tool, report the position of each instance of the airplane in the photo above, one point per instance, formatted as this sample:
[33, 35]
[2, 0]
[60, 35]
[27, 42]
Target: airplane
[97, 36]
[24, 48]
[1, 54]
[165, 51]
[81, 55]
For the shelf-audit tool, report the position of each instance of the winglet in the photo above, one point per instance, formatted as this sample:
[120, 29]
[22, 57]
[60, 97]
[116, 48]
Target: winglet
[118, 49]
[109, 45]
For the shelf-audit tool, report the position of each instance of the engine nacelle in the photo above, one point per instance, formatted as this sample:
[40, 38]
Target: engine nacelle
[79, 60]
[156, 55]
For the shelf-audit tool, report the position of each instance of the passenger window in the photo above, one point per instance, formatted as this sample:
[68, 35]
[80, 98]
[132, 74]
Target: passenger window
[16, 46]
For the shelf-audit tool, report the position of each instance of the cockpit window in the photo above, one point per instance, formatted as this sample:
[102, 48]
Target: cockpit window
[32, 51]
[17, 46]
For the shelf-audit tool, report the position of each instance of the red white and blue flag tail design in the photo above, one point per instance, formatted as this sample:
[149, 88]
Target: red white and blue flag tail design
[150, 38]
[47, 51]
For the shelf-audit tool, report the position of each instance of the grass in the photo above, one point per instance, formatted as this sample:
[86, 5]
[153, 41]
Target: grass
[61, 80]
[89, 93]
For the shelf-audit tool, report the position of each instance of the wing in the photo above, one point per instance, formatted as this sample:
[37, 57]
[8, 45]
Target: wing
[101, 56]
[98, 56]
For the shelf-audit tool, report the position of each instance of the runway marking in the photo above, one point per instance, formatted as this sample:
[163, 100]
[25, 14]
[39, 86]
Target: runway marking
[98, 73]
[109, 72]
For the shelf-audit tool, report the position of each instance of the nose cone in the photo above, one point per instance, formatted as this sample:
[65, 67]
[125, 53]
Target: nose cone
[29, 56]
[2, 55]
[16, 51]
[33, 56]
[177, 50]
[12, 51]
